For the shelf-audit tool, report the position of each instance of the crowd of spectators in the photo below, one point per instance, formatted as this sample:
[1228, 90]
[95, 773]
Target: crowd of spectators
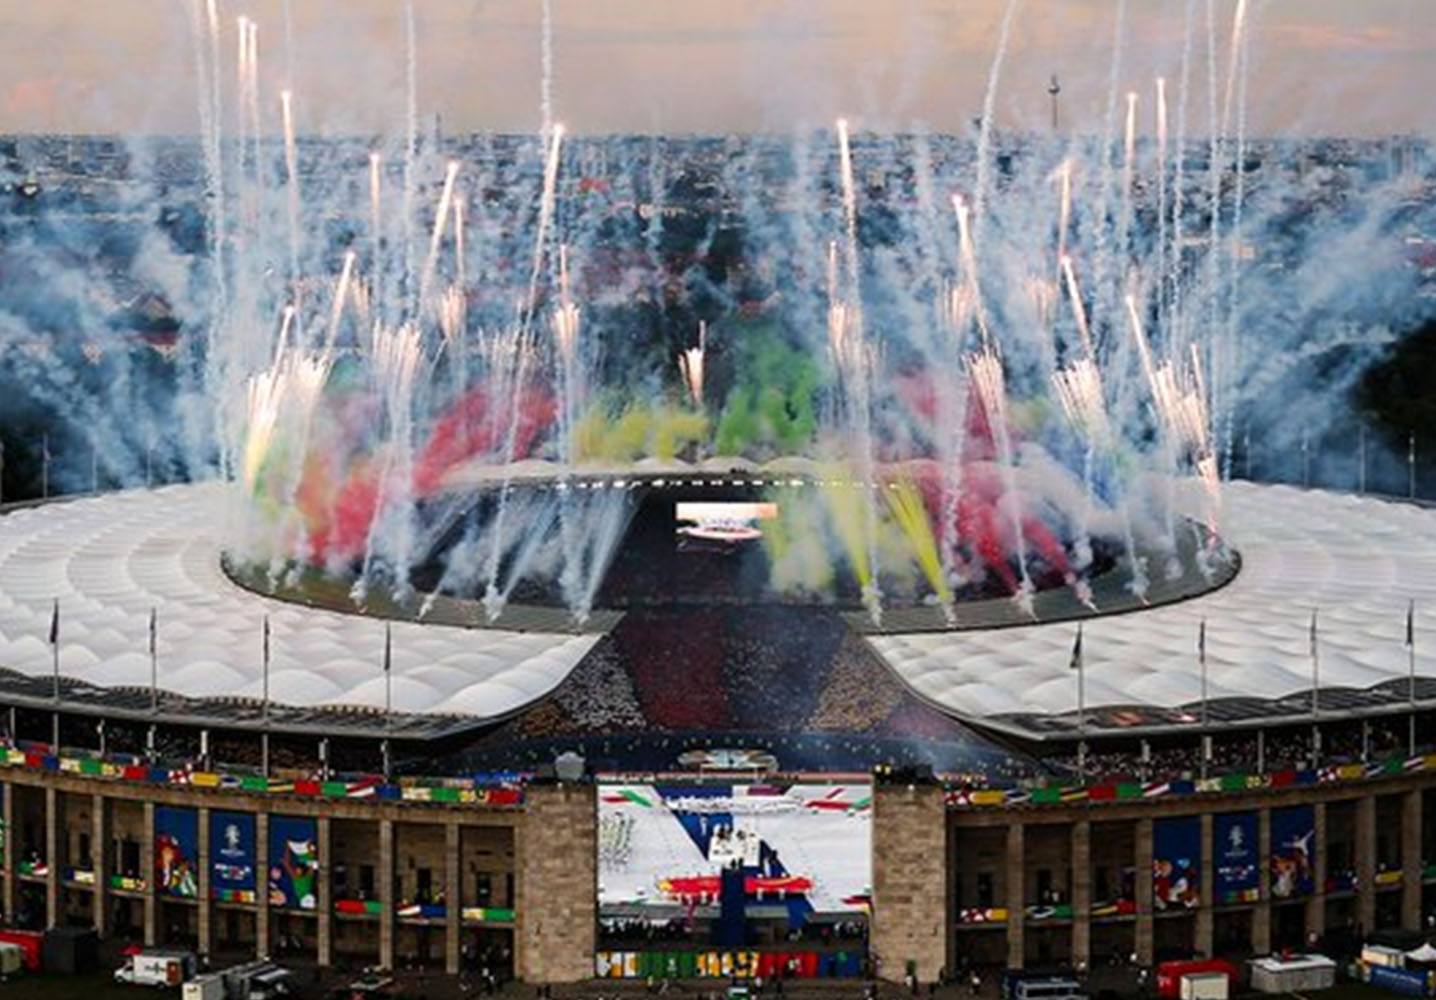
[1290, 747]
[794, 683]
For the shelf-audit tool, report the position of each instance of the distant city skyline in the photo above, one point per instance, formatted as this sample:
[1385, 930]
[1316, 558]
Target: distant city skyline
[1320, 67]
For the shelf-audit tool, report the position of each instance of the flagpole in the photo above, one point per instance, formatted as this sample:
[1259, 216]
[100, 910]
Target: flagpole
[55, 653]
[1206, 715]
[388, 694]
[154, 668]
[1079, 662]
[1202, 659]
[1411, 662]
[55, 674]
[264, 736]
[1315, 669]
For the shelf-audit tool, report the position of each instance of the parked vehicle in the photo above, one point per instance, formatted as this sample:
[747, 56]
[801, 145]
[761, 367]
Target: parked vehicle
[262, 980]
[207, 987]
[156, 967]
[12, 959]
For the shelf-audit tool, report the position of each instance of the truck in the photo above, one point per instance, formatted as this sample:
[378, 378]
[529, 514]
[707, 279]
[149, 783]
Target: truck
[1016, 985]
[1169, 974]
[261, 980]
[31, 943]
[157, 967]
[210, 986]
[12, 960]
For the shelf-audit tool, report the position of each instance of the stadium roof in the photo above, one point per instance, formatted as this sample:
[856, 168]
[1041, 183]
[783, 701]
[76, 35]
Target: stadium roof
[1356, 561]
[110, 559]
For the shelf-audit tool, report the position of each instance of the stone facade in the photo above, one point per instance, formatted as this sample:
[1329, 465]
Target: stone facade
[948, 883]
[558, 883]
[910, 881]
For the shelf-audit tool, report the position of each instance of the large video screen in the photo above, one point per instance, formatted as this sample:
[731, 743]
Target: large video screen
[721, 522]
[806, 846]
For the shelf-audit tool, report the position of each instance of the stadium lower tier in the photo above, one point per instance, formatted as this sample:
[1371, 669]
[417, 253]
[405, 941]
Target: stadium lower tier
[721, 878]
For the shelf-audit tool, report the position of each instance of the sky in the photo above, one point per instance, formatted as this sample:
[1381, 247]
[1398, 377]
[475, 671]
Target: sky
[1363, 67]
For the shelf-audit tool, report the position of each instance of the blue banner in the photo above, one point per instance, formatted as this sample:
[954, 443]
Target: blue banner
[1236, 858]
[293, 863]
[177, 852]
[1176, 863]
[231, 857]
[1293, 851]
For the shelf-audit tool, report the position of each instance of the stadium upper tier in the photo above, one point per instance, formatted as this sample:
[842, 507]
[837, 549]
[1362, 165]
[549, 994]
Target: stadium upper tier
[1352, 561]
[109, 560]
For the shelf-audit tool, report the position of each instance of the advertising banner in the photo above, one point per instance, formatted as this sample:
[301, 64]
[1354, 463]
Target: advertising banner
[1176, 860]
[1293, 851]
[1236, 875]
[177, 852]
[232, 857]
[293, 862]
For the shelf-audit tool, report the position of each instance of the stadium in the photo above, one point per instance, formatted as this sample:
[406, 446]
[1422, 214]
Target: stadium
[528, 760]
[725, 559]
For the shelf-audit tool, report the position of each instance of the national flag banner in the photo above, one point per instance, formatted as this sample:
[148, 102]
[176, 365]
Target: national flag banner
[55, 623]
[1076, 663]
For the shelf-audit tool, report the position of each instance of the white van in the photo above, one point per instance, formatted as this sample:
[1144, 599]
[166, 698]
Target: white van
[156, 967]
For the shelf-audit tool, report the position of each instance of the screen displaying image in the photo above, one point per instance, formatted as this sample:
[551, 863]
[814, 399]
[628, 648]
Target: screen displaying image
[727, 522]
[808, 847]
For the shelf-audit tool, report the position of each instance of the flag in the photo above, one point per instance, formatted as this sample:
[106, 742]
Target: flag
[1202, 639]
[388, 648]
[55, 624]
[266, 642]
[1313, 633]
[1411, 623]
[1076, 663]
[152, 631]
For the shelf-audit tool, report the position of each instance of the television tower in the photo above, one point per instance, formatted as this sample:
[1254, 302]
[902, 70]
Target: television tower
[1054, 88]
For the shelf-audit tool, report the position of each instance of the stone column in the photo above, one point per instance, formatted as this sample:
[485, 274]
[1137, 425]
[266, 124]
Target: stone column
[556, 881]
[384, 874]
[52, 856]
[1016, 896]
[453, 908]
[1365, 863]
[206, 901]
[1411, 860]
[324, 928]
[1316, 905]
[11, 851]
[1082, 893]
[147, 872]
[261, 885]
[99, 856]
[1142, 889]
[1261, 912]
[1206, 888]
